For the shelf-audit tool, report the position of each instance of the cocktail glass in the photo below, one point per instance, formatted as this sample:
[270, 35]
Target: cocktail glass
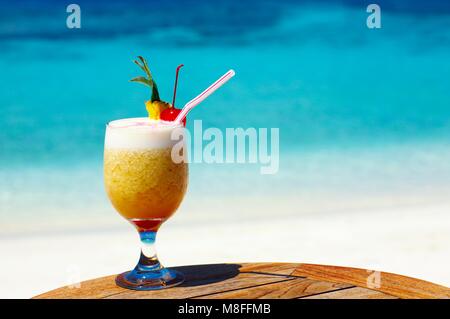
[146, 186]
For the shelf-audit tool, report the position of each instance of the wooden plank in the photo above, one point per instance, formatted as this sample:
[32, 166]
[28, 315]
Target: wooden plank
[269, 268]
[352, 293]
[248, 276]
[280, 290]
[392, 284]
[90, 289]
[198, 278]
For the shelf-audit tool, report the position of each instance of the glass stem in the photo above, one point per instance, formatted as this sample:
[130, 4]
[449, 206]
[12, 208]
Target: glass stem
[148, 260]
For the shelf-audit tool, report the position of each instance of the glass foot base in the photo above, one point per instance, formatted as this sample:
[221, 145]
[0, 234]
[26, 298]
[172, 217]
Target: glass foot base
[150, 280]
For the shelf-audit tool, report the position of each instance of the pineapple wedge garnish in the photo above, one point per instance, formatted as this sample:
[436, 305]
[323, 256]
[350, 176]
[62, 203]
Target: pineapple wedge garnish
[155, 108]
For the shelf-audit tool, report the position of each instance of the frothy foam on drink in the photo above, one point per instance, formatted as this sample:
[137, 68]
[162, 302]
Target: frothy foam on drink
[140, 133]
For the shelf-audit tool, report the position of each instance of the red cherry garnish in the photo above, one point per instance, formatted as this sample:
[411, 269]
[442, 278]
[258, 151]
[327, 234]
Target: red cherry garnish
[171, 114]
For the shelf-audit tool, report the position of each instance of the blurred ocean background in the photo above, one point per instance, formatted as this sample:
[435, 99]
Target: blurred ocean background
[364, 118]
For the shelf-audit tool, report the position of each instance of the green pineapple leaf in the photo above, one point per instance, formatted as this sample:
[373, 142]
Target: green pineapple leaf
[139, 65]
[142, 80]
[146, 80]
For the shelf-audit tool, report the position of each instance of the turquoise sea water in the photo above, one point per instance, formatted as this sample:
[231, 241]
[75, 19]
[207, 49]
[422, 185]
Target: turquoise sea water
[334, 88]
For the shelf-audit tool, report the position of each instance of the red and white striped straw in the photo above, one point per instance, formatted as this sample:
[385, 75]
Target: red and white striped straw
[199, 98]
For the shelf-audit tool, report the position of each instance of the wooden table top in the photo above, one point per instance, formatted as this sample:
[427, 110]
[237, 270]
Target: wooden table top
[267, 280]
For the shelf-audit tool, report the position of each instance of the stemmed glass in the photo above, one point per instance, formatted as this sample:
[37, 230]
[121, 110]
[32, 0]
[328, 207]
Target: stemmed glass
[146, 186]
